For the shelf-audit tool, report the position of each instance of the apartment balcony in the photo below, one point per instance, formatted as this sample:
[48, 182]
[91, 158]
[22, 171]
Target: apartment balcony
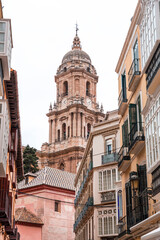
[109, 158]
[83, 213]
[108, 197]
[153, 72]
[122, 102]
[134, 75]
[83, 184]
[5, 202]
[123, 159]
[123, 228]
[136, 139]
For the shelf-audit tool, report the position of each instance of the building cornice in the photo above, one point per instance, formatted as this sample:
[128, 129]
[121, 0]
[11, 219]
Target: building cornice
[75, 70]
[77, 106]
[61, 152]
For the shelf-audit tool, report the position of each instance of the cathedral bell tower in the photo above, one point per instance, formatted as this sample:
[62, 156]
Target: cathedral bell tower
[74, 113]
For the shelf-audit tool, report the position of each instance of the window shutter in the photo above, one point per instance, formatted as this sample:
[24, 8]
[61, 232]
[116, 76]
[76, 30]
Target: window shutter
[143, 199]
[128, 204]
[123, 79]
[132, 115]
[125, 133]
[139, 113]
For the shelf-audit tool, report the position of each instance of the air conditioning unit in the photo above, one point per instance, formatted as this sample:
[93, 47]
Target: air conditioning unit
[4, 135]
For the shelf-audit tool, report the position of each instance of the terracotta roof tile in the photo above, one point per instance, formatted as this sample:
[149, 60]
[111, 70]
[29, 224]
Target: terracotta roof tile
[52, 177]
[24, 215]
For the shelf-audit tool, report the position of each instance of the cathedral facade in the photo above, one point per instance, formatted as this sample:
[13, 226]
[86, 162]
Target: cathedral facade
[74, 113]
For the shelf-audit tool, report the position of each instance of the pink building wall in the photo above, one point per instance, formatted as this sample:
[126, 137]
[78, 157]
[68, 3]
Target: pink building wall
[29, 232]
[57, 225]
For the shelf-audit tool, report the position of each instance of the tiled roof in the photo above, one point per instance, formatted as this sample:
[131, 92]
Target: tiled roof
[52, 177]
[24, 215]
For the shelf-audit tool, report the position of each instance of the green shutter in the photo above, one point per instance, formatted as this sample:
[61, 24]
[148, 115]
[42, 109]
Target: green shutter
[128, 203]
[125, 133]
[139, 113]
[132, 115]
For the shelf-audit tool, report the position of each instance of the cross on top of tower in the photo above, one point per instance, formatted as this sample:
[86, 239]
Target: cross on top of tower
[77, 29]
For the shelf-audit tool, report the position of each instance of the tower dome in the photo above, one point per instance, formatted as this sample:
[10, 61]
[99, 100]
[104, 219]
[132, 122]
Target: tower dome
[76, 58]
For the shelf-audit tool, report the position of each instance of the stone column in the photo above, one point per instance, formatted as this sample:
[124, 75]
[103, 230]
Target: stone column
[53, 131]
[50, 131]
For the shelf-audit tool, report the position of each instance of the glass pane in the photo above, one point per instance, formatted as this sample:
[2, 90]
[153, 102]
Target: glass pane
[109, 179]
[2, 26]
[1, 47]
[105, 226]
[100, 181]
[2, 37]
[110, 225]
[104, 181]
[100, 226]
[113, 177]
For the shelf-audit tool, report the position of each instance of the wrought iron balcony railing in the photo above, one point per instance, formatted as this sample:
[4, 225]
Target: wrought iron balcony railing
[83, 183]
[136, 134]
[123, 228]
[122, 97]
[88, 204]
[123, 155]
[133, 72]
[107, 158]
[108, 196]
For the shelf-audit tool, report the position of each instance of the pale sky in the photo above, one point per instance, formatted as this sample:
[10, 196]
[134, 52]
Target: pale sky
[43, 33]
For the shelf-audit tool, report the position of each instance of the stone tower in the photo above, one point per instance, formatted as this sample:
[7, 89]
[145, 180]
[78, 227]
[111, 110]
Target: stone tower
[74, 113]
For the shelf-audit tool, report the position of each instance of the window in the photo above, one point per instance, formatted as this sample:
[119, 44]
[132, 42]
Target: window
[63, 131]
[58, 135]
[62, 166]
[2, 35]
[68, 132]
[65, 88]
[109, 146]
[88, 129]
[152, 128]
[107, 222]
[107, 179]
[87, 88]
[100, 226]
[136, 56]
[123, 84]
[57, 206]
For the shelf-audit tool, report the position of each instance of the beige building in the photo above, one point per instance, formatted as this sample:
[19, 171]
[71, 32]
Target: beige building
[96, 183]
[74, 113]
[139, 81]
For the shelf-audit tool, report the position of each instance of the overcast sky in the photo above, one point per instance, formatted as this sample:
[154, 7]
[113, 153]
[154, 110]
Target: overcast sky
[43, 33]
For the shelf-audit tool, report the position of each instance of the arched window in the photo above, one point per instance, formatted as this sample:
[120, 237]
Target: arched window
[87, 88]
[88, 129]
[65, 88]
[62, 166]
[63, 131]
[58, 135]
[68, 132]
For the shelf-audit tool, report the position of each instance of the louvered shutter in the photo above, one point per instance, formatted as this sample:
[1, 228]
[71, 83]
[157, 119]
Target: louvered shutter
[128, 204]
[125, 133]
[139, 113]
